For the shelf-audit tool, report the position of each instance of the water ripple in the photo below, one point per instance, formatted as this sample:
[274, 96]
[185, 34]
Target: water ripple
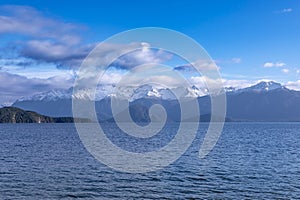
[250, 161]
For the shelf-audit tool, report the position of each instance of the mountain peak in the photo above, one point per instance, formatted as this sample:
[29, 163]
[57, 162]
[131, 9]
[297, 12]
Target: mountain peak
[263, 86]
[267, 83]
[266, 86]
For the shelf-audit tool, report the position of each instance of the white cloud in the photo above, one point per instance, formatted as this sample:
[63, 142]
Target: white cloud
[276, 64]
[28, 21]
[280, 64]
[204, 82]
[286, 10]
[143, 55]
[202, 65]
[59, 53]
[238, 83]
[17, 86]
[269, 64]
[110, 77]
[236, 60]
[47, 39]
[55, 41]
[199, 81]
[293, 85]
[72, 56]
[285, 71]
[152, 74]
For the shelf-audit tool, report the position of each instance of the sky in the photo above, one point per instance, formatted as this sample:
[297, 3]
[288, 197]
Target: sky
[43, 43]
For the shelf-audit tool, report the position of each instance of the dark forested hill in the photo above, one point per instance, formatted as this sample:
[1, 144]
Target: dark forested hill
[17, 115]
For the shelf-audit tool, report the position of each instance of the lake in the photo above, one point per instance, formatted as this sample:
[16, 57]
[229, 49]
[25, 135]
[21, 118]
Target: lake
[250, 160]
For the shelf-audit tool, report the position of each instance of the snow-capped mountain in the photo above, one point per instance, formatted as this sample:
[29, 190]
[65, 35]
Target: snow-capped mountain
[59, 94]
[263, 86]
[130, 92]
[149, 91]
[144, 91]
[230, 89]
[265, 101]
[51, 95]
[5, 104]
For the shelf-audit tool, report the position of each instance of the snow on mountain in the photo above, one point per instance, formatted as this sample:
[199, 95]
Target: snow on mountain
[144, 91]
[230, 89]
[57, 94]
[150, 91]
[263, 86]
[127, 92]
[5, 104]
[51, 95]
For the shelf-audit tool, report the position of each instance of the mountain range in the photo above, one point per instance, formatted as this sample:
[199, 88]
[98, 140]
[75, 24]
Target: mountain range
[265, 101]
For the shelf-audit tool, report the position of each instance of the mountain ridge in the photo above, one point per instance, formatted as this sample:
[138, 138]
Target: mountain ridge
[265, 101]
[144, 91]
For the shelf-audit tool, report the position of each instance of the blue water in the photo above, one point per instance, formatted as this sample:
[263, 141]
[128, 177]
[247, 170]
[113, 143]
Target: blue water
[250, 160]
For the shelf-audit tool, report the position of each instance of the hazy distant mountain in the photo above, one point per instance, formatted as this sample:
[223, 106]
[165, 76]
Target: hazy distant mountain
[265, 101]
[17, 115]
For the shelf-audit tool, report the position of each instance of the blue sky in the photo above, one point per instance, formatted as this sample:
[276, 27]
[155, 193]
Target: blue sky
[42, 42]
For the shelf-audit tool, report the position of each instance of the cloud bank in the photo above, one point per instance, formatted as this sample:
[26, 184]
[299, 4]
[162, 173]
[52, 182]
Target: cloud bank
[17, 86]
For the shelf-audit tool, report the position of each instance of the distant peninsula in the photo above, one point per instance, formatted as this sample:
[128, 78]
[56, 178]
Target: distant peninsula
[17, 115]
